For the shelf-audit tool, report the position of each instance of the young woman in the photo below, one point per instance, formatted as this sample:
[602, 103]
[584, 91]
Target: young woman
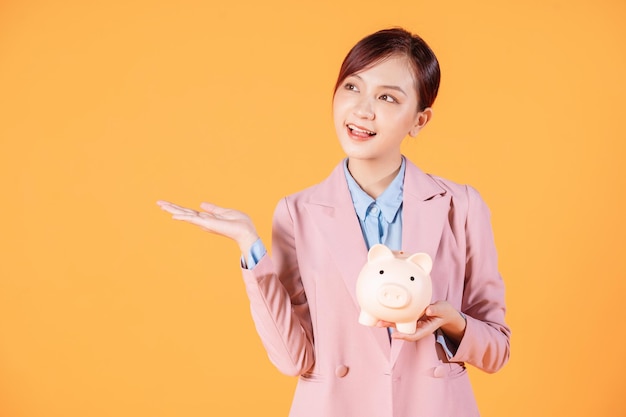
[303, 298]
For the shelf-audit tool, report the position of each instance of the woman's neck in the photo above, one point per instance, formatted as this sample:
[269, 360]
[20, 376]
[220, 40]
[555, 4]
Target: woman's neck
[374, 176]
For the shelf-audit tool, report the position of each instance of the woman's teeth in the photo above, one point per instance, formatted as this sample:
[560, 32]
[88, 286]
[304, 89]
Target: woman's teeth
[357, 130]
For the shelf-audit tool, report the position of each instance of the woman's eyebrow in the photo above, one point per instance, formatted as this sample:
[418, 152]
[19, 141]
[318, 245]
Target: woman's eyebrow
[393, 87]
[389, 87]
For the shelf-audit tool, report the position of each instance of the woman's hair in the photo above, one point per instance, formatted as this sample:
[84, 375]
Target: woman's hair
[392, 42]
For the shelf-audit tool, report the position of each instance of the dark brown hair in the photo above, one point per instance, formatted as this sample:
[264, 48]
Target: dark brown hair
[396, 41]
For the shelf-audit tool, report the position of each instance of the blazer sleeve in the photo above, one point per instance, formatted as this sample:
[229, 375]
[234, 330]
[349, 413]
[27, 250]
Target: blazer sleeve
[278, 302]
[486, 343]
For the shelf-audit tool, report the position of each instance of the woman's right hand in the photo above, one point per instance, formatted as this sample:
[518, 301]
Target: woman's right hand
[222, 221]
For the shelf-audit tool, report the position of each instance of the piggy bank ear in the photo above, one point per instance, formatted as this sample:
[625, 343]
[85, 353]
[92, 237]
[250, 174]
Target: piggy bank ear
[379, 251]
[422, 260]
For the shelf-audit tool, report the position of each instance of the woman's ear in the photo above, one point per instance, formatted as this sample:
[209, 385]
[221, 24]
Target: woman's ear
[422, 118]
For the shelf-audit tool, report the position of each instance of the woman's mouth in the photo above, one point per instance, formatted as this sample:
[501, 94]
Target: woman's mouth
[360, 132]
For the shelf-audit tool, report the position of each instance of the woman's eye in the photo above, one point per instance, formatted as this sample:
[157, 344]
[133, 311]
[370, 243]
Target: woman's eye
[388, 98]
[351, 87]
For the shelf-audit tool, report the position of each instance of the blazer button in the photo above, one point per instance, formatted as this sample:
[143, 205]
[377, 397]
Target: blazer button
[439, 371]
[341, 371]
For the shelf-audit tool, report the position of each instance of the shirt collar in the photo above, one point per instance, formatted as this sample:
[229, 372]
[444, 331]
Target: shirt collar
[389, 201]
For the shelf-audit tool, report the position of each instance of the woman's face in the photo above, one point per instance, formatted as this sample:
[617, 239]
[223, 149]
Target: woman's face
[375, 109]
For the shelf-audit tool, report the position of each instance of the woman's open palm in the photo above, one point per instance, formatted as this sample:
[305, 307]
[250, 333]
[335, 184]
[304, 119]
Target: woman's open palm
[231, 223]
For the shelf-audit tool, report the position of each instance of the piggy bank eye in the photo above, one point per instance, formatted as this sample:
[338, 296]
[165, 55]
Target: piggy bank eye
[381, 272]
[412, 278]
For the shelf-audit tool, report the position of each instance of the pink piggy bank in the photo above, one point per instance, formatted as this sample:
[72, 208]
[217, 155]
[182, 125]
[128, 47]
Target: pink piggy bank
[394, 288]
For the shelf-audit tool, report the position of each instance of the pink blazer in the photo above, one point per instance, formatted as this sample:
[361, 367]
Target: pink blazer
[304, 306]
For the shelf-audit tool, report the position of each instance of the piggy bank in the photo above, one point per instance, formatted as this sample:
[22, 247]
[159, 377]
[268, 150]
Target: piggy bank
[394, 288]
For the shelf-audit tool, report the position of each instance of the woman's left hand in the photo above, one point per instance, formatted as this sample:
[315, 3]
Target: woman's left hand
[440, 315]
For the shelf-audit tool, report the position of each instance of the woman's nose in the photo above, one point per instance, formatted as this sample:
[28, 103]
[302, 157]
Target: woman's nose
[364, 109]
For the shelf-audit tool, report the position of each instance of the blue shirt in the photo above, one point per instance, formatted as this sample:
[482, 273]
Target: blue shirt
[380, 219]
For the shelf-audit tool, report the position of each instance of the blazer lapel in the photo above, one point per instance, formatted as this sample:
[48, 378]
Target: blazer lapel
[332, 210]
[425, 209]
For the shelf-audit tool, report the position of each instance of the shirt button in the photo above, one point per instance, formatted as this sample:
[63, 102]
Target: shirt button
[374, 210]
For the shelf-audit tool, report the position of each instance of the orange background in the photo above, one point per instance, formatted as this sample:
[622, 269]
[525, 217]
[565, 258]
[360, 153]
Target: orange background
[109, 308]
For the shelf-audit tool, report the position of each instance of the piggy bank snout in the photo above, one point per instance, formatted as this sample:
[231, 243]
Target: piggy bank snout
[393, 296]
